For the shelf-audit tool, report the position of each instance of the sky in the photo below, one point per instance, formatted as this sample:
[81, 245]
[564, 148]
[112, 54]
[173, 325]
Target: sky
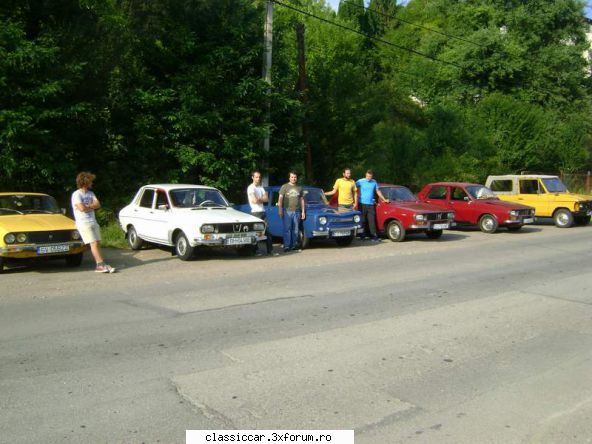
[335, 4]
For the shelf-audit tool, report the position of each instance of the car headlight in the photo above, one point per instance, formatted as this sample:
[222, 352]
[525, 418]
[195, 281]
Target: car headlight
[450, 216]
[75, 235]
[357, 219]
[10, 238]
[420, 217]
[207, 228]
[21, 238]
[259, 227]
[513, 213]
[323, 220]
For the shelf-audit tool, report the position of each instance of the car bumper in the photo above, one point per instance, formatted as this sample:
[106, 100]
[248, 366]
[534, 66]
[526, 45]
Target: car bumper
[217, 240]
[436, 225]
[337, 232]
[520, 221]
[29, 251]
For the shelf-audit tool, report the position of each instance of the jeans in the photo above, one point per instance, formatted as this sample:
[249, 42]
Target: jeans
[344, 207]
[269, 241]
[369, 219]
[291, 222]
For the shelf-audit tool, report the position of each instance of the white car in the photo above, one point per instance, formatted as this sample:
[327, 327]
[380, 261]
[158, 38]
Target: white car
[188, 216]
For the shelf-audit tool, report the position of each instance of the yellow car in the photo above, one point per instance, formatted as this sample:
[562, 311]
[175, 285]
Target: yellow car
[547, 194]
[33, 226]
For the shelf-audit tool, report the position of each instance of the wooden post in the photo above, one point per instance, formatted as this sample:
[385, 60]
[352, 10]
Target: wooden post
[303, 95]
[267, 41]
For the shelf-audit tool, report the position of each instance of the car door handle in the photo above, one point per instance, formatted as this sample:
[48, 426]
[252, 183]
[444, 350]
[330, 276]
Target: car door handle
[520, 198]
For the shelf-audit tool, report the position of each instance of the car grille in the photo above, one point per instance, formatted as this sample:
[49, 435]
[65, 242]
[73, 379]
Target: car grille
[437, 216]
[524, 212]
[40, 237]
[235, 228]
[586, 205]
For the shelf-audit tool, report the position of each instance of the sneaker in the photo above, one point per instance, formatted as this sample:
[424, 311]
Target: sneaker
[273, 253]
[297, 250]
[376, 239]
[258, 254]
[364, 238]
[286, 250]
[104, 268]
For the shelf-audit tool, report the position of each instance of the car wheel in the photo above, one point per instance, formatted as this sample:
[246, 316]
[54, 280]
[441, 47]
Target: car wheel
[583, 220]
[563, 218]
[488, 224]
[344, 241]
[395, 231]
[247, 250]
[182, 247]
[434, 234]
[303, 240]
[514, 227]
[74, 260]
[133, 239]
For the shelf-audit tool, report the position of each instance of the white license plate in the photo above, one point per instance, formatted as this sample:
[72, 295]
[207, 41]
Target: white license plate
[528, 220]
[341, 233]
[238, 241]
[49, 249]
[440, 227]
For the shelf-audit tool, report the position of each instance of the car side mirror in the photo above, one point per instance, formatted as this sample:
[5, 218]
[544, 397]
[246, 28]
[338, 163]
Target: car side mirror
[466, 198]
[163, 207]
[64, 211]
[231, 204]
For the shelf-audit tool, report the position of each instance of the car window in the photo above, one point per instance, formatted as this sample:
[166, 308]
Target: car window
[437, 193]
[529, 186]
[161, 198]
[25, 204]
[398, 194]
[458, 194]
[147, 198]
[197, 197]
[501, 185]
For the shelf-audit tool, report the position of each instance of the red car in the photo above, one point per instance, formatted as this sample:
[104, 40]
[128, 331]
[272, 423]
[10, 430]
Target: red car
[475, 204]
[406, 214]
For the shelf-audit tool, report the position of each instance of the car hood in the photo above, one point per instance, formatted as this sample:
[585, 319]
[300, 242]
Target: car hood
[323, 210]
[418, 207]
[35, 222]
[571, 197]
[215, 215]
[504, 204]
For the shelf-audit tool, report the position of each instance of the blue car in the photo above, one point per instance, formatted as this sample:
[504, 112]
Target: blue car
[322, 221]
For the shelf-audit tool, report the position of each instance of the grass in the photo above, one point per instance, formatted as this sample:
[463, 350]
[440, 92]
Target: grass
[112, 236]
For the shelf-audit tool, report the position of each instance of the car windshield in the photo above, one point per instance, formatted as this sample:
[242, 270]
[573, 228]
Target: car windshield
[398, 194]
[481, 192]
[197, 198]
[27, 204]
[315, 196]
[555, 185]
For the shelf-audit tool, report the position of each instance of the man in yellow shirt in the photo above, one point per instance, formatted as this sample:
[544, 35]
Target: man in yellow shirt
[347, 198]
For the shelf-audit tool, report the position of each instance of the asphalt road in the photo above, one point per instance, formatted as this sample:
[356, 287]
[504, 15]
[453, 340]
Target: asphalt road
[472, 338]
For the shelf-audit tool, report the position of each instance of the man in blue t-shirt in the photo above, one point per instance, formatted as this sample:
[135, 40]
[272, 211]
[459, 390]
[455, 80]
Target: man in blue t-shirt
[368, 190]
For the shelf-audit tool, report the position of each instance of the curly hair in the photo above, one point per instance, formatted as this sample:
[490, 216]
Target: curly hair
[85, 179]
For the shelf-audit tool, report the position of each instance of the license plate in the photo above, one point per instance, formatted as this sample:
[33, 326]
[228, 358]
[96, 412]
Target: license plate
[238, 241]
[440, 227]
[528, 220]
[49, 249]
[341, 233]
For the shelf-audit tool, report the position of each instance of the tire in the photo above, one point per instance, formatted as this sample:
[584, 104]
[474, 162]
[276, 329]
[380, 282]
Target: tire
[488, 224]
[563, 218]
[515, 228]
[434, 234]
[582, 220]
[395, 231]
[303, 240]
[133, 239]
[344, 241]
[182, 247]
[247, 250]
[74, 260]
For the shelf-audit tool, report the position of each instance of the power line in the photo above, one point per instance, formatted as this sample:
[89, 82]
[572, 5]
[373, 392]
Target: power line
[390, 16]
[339, 25]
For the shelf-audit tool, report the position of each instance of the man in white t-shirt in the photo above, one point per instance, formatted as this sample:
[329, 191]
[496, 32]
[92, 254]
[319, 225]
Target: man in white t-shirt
[257, 199]
[84, 204]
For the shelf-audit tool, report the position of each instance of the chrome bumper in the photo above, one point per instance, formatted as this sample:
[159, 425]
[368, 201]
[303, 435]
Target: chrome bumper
[328, 233]
[32, 248]
[221, 240]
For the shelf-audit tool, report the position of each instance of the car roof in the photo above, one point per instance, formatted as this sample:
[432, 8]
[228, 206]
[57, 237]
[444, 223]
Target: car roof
[524, 176]
[455, 184]
[21, 193]
[173, 186]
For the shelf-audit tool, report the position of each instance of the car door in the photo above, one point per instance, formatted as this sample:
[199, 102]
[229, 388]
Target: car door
[159, 215]
[532, 193]
[274, 222]
[142, 213]
[464, 208]
[438, 195]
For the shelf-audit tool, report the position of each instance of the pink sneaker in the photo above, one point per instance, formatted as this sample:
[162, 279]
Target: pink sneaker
[104, 268]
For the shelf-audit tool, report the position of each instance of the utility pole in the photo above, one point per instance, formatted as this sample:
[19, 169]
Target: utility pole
[303, 95]
[267, 41]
